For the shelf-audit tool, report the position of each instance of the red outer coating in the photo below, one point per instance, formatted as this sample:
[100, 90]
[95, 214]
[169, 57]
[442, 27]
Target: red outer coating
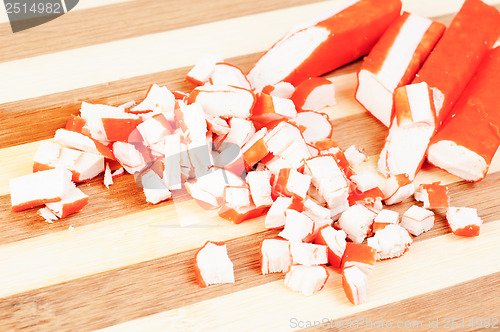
[357, 252]
[438, 195]
[334, 260]
[197, 271]
[119, 129]
[75, 123]
[29, 205]
[74, 207]
[469, 231]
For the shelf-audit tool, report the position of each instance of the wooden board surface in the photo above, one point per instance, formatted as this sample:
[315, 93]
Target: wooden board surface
[126, 265]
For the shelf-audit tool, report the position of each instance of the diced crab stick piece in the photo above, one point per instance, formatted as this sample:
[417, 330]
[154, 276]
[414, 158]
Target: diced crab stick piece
[335, 240]
[286, 141]
[75, 123]
[306, 279]
[152, 131]
[226, 74]
[237, 198]
[71, 202]
[275, 217]
[314, 94]
[394, 61]
[433, 195]
[468, 140]
[276, 164]
[203, 69]
[326, 43]
[326, 146]
[359, 255]
[217, 125]
[191, 120]
[397, 188]
[130, 157]
[355, 284]
[39, 188]
[255, 149]
[410, 132]
[47, 215]
[417, 220]
[81, 142]
[370, 198]
[457, 55]
[298, 226]
[180, 95]
[384, 218]
[319, 215]
[154, 188]
[292, 183]
[223, 101]
[330, 181]
[172, 161]
[391, 242]
[354, 156]
[308, 254]
[118, 172]
[200, 158]
[365, 181]
[158, 99]
[270, 108]
[259, 183]
[463, 221]
[280, 89]
[240, 131]
[108, 176]
[212, 265]
[356, 222]
[275, 256]
[313, 125]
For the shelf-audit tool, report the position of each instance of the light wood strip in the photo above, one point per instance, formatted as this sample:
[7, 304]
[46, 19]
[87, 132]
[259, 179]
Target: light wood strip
[454, 260]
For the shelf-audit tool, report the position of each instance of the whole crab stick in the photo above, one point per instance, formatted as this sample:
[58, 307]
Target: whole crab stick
[394, 61]
[457, 55]
[326, 43]
[468, 140]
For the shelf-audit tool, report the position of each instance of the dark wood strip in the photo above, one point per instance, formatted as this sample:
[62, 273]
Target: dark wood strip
[108, 23]
[475, 300]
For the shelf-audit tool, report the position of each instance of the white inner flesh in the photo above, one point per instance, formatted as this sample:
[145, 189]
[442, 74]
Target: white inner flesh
[308, 254]
[254, 139]
[284, 107]
[320, 97]
[225, 74]
[317, 126]
[283, 90]
[225, 101]
[215, 265]
[462, 217]
[335, 240]
[420, 104]
[68, 198]
[259, 183]
[159, 99]
[417, 220]
[422, 195]
[172, 161]
[297, 226]
[285, 56]
[457, 160]
[390, 242]
[356, 222]
[376, 98]
[241, 131]
[152, 131]
[275, 256]
[154, 187]
[354, 156]
[194, 119]
[387, 216]
[306, 279]
[296, 153]
[215, 181]
[204, 67]
[365, 180]
[75, 140]
[358, 283]
[237, 198]
[276, 215]
[298, 183]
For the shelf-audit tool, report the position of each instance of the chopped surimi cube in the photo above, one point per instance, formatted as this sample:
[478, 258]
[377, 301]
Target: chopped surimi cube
[354, 156]
[308, 253]
[314, 126]
[275, 256]
[275, 217]
[238, 206]
[210, 187]
[154, 187]
[410, 131]
[269, 108]
[292, 183]
[365, 181]
[463, 221]
[259, 183]
[385, 218]
[306, 279]
[355, 284]
[390, 242]
[433, 195]
[240, 131]
[212, 265]
[255, 149]
[370, 198]
[417, 220]
[81, 142]
[314, 94]
[316, 47]
[39, 188]
[75, 123]
[129, 156]
[191, 119]
[158, 100]
[335, 240]
[356, 222]
[108, 176]
[298, 226]
[281, 137]
[152, 132]
[203, 69]
[397, 188]
[172, 161]
[318, 214]
[223, 101]
[359, 255]
[217, 125]
[276, 164]
[280, 89]
[394, 61]
[48, 215]
[71, 202]
[226, 74]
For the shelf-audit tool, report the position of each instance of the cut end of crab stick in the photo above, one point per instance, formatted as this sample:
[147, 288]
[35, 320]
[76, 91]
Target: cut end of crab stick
[314, 94]
[355, 156]
[71, 202]
[410, 132]
[275, 256]
[417, 220]
[335, 240]
[384, 218]
[433, 195]
[308, 254]
[154, 187]
[356, 222]
[226, 74]
[397, 188]
[259, 183]
[298, 226]
[391, 242]
[359, 255]
[158, 99]
[39, 188]
[203, 69]
[270, 108]
[355, 284]
[275, 217]
[212, 265]
[306, 279]
[463, 221]
[280, 89]
[394, 61]
[292, 183]
[365, 181]
[314, 126]
[319, 215]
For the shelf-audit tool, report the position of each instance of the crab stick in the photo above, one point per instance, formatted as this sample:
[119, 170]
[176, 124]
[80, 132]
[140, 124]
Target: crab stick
[463, 221]
[130, 156]
[314, 94]
[355, 284]
[385, 218]
[275, 256]
[259, 183]
[417, 220]
[314, 126]
[212, 265]
[308, 254]
[82, 142]
[326, 43]
[410, 131]
[298, 226]
[270, 108]
[320, 215]
[71, 202]
[192, 121]
[158, 99]
[255, 149]
[433, 195]
[359, 255]
[238, 206]
[335, 240]
[226, 74]
[280, 89]
[391, 242]
[154, 187]
[397, 188]
[306, 279]
[394, 61]
[356, 222]
[203, 69]
[468, 140]
[457, 55]
[355, 156]
[291, 183]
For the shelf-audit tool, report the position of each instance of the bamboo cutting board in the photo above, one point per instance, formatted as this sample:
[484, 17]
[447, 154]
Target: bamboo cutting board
[123, 265]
